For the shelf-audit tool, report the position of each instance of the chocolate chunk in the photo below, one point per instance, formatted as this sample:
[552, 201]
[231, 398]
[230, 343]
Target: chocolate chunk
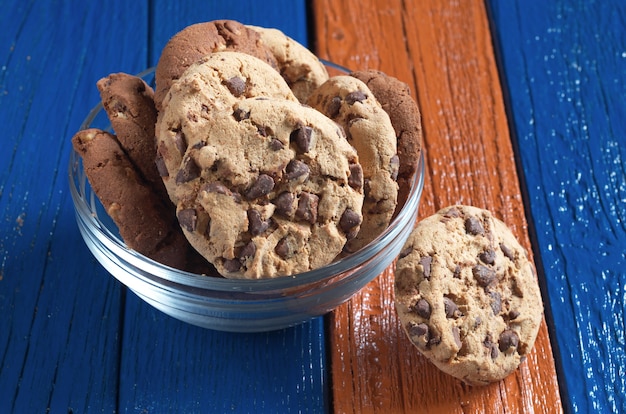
[513, 314]
[307, 207]
[484, 275]
[205, 110]
[493, 350]
[284, 248]
[236, 86]
[356, 96]
[181, 142]
[488, 257]
[356, 176]
[426, 261]
[188, 219]
[262, 186]
[457, 272]
[189, 171]
[422, 308]
[452, 212]
[333, 107]
[456, 334]
[496, 302]
[161, 167]
[276, 144]
[507, 251]
[419, 329]
[296, 169]
[216, 187]
[302, 138]
[508, 341]
[349, 220]
[434, 340]
[232, 265]
[405, 252]
[450, 308]
[473, 226]
[394, 165]
[241, 114]
[256, 225]
[248, 250]
[284, 204]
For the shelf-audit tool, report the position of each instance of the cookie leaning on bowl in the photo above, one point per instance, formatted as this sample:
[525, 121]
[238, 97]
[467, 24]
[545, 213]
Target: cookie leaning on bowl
[395, 98]
[124, 177]
[350, 103]
[467, 295]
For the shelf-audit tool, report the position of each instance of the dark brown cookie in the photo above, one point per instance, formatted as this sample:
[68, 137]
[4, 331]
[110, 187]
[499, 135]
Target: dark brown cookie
[395, 98]
[146, 223]
[129, 104]
[201, 39]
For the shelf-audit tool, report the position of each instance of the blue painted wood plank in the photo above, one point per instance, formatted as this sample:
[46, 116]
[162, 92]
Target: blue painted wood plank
[564, 64]
[59, 310]
[170, 366]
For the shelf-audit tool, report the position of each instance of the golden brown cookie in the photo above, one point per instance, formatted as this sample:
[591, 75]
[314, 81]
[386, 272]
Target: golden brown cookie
[302, 70]
[350, 103]
[199, 40]
[209, 86]
[395, 98]
[467, 294]
[270, 188]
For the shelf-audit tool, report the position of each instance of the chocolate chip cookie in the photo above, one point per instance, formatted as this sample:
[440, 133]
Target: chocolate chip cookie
[129, 105]
[147, 223]
[350, 103]
[395, 98]
[210, 85]
[270, 188]
[302, 70]
[201, 39]
[467, 295]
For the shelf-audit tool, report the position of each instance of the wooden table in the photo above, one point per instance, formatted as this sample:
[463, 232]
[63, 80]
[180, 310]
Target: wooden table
[522, 106]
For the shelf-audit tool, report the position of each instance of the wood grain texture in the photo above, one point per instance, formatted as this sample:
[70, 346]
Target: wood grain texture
[443, 50]
[59, 310]
[567, 80]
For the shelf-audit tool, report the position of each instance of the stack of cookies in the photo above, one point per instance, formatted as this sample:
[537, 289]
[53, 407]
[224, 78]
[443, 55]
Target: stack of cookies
[248, 160]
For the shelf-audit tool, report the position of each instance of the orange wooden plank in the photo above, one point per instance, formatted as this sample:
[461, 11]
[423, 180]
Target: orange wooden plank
[443, 50]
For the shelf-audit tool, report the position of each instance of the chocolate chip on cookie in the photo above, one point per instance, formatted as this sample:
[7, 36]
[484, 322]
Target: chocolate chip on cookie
[300, 68]
[395, 98]
[472, 307]
[275, 186]
[199, 40]
[368, 128]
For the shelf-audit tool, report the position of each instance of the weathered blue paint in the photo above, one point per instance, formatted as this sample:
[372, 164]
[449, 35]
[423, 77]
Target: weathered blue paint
[564, 65]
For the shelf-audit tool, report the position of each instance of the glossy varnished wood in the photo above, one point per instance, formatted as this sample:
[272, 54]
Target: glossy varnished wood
[565, 67]
[443, 50]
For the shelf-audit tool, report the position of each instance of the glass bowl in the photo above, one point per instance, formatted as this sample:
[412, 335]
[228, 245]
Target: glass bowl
[227, 304]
